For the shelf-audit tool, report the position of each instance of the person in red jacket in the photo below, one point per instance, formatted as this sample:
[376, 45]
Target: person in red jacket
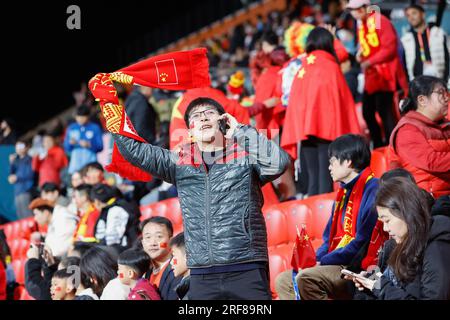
[420, 142]
[50, 163]
[379, 59]
[320, 109]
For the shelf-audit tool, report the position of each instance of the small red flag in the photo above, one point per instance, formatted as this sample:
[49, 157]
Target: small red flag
[303, 255]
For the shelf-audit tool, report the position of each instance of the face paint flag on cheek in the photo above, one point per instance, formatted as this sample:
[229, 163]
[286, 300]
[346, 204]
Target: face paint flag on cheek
[121, 275]
[58, 289]
[163, 245]
[174, 262]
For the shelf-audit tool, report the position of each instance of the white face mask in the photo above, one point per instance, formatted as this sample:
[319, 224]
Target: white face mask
[20, 146]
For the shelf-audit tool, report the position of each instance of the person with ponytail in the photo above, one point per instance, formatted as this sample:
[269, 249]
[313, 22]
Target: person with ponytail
[420, 143]
[417, 267]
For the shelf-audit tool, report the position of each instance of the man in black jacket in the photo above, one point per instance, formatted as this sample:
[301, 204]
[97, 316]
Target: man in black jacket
[219, 179]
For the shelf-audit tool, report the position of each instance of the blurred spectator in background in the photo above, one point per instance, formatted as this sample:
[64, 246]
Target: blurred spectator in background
[379, 59]
[93, 173]
[426, 51]
[22, 177]
[137, 105]
[8, 135]
[118, 224]
[50, 162]
[83, 140]
[87, 213]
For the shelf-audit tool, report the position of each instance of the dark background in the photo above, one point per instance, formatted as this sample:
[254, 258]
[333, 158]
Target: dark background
[43, 62]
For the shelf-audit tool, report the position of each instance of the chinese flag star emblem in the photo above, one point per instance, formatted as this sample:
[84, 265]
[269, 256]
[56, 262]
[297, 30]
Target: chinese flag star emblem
[167, 72]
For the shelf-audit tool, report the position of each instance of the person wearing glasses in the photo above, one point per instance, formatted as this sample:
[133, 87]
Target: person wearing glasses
[420, 142]
[218, 176]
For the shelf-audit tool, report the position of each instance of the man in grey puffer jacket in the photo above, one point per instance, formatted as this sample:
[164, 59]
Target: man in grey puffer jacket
[219, 179]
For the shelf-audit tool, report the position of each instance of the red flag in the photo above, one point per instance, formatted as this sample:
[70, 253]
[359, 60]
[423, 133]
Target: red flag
[303, 255]
[172, 71]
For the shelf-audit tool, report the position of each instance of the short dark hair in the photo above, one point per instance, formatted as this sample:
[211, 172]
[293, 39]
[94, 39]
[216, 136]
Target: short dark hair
[351, 147]
[84, 189]
[397, 172]
[62, 274]
[270, 37]
[415, 6]
[99, 264]
[178, 241]
[70, 261]
[50, 187]
[83, 110]
[159, 220]
[102, 193]
[91, 165]
[138, 260]
[82, 247]
[199, 102]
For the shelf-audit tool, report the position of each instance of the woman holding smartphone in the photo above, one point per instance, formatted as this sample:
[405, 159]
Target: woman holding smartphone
[418, 267]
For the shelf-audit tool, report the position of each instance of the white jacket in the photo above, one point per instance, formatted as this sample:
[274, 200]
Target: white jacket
[60, 230]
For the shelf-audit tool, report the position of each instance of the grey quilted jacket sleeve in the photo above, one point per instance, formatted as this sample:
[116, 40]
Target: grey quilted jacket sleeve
[153, 159]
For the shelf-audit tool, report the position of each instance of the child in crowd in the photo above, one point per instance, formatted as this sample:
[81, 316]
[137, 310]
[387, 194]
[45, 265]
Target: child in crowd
[133, 264]
[179, 266]
[97, 268]
[62, 287]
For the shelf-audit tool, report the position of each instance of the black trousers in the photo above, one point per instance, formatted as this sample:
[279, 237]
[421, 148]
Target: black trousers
[315, 153]
[383, 103]
[244, 285]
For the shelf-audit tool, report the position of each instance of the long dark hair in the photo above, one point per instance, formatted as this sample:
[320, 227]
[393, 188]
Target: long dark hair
[321, 39]
[420, 86]
[97, 263]
[406, 201]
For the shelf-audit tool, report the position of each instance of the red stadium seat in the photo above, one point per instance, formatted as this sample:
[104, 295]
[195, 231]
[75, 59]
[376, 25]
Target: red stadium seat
[298, 214]
[18, 248]
[379, 161]
[146, 212]
[18, 266]
[160, 209]
[277, 264]
[25, 295]
[276, 227]
[321, 206]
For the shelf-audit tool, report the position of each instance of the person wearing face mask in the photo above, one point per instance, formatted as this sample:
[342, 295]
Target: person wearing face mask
[420, 142]
[419, 263]
[219, 178]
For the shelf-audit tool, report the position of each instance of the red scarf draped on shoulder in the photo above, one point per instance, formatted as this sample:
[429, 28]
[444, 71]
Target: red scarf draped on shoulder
[171, 71]
[341, 234]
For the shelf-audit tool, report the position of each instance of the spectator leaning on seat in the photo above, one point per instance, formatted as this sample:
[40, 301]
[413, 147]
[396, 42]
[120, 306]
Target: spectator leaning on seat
[50, 161]
[349, 228]
[22, 177]
[418, 265]
[425, 46]
[156, 234]
[219, 186]
[420, 142]
[83, 140]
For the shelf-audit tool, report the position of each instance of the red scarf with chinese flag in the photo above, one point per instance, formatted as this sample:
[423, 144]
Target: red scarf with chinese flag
[341, 234]
[171, 71]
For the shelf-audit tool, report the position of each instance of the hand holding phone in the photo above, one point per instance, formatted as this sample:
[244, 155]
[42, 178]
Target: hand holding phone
[352, 275]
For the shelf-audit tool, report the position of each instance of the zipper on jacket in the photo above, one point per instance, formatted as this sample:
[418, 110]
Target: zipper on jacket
[207, 202]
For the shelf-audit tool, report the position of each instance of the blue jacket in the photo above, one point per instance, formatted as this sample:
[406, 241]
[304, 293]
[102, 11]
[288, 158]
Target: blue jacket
[21, 167]
[367, 218]
[80, 156]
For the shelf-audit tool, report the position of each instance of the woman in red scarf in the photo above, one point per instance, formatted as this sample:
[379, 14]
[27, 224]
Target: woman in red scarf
[320, 109]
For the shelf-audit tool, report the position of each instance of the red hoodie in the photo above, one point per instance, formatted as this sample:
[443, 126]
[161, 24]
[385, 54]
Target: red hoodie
[144, 290]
